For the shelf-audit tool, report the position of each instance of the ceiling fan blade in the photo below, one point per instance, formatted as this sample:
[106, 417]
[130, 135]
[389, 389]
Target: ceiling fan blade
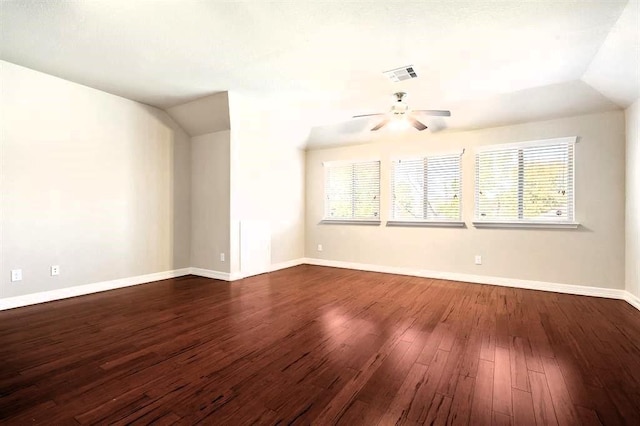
[367, 115]
[380, 125]
[415, 123]
[436, 112]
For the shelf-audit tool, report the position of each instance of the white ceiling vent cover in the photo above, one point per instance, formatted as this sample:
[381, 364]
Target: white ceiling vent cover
[400, 74]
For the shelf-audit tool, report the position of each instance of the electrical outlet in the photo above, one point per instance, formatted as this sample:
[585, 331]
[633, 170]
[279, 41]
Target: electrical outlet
[478, 259]
[319, 247]
[55, 270]
[221, 257]
[16, 275]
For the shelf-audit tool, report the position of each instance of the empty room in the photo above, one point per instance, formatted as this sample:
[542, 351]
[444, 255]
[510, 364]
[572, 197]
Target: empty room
[320, 212]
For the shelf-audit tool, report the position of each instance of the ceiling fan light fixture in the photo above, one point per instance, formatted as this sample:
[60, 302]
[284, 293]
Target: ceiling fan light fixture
[400, 123]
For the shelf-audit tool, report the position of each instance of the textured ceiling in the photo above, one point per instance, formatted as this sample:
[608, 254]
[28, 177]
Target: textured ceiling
[326, 57]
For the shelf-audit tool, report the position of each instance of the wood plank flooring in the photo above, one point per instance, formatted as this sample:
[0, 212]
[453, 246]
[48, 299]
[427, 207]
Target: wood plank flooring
[316, 345]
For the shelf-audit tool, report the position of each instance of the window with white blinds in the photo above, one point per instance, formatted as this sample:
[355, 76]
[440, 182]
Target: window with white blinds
[530, 182]
[352, 191]
[426, 189]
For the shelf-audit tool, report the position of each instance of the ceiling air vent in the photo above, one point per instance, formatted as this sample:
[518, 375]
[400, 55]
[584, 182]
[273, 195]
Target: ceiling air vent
[401, 74]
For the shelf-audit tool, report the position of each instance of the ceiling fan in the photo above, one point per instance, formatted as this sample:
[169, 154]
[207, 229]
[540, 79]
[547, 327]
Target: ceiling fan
[400, 111]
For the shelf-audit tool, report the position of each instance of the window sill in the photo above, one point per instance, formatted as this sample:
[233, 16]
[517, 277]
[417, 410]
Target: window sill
[349, 222]
[427, 223]
[560, 225]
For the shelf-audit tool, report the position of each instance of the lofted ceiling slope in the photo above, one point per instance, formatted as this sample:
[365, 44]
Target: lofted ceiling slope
[327, 57]
[615, 70]
[203, 115]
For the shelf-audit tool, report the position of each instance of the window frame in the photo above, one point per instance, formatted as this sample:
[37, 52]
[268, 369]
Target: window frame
[459, 222]
[569, 223]
[349, 221]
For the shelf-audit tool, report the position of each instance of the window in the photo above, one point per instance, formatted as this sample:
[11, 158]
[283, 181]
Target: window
[526, 183]
[426, 190]
[352, 191]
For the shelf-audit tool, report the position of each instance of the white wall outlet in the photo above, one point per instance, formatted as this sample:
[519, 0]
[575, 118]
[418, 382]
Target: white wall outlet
[16, 275]
[55, 270]
[221, 257]
[478, 259]
[319, 247]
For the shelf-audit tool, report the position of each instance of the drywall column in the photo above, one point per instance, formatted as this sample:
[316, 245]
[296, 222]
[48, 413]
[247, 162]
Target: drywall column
[247, 164]
[632, 223]
[267, 174]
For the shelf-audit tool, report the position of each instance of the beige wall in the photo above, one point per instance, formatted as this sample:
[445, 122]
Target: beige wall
[210, 191]
[592, 255]
[633, 200]
[89, 181]
[109, 188]
[267, 175]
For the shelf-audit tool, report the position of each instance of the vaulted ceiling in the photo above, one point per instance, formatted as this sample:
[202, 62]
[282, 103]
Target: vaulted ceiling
[489, 62]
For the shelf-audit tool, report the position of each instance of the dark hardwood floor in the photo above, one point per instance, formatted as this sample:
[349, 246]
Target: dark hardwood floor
[315, 345]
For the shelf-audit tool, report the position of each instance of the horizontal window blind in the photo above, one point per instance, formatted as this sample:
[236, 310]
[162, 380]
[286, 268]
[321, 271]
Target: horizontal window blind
[426, 189]
[352, 191]
[526, 183]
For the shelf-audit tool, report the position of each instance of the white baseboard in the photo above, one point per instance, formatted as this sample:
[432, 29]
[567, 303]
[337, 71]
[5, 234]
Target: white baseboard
[452, 276]
[288, 264]
[63, 293]
[483, 279]
[633, 300]
[235, 276]
[226, 276]
[81, 290]
[210, 273]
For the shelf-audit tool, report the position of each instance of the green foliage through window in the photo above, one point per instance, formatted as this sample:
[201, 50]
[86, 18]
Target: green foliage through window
[352, 191]
[525, 183]
[427, 188]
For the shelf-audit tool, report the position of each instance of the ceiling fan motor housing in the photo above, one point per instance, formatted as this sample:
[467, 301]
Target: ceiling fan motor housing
[400, 107]
[400, 96]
